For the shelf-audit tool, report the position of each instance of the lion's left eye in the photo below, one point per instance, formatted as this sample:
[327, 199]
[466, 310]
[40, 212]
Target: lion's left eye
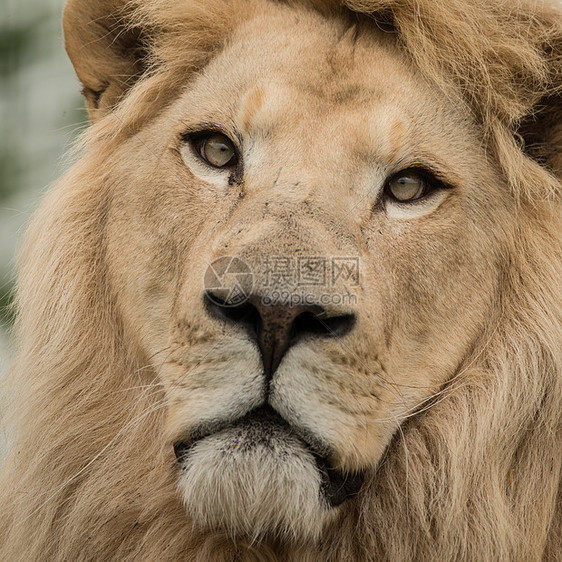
[408, 186]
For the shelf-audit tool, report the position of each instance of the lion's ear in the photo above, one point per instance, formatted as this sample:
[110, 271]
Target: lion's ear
[106, 50]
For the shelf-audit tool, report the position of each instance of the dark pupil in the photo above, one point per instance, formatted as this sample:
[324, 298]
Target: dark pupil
[217, 144]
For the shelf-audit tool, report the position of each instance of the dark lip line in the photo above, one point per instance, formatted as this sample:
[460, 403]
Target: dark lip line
[316, 446]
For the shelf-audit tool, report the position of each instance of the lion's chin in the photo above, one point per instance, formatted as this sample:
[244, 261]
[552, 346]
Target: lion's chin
[255, 479]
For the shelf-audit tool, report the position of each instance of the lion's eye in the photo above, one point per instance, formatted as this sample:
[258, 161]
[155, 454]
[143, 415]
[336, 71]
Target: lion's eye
[407, 186]
[217, 150]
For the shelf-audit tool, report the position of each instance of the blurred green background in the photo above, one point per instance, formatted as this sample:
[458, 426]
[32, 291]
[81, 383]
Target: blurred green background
[41, 112]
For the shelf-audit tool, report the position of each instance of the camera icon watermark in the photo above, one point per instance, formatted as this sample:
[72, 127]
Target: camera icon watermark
[229, 281]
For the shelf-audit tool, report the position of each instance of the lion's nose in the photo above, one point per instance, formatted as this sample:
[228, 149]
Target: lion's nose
[276, 327]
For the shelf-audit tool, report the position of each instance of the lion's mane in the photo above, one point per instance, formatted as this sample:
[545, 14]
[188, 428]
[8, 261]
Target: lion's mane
[88, 474]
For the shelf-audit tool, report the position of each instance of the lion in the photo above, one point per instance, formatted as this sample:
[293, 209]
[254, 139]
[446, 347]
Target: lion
[298, 298]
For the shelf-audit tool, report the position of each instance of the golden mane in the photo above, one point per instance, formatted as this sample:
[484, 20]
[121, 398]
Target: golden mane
[82, 404]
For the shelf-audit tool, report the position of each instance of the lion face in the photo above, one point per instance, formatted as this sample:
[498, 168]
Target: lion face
[299, 299]
[300, 233]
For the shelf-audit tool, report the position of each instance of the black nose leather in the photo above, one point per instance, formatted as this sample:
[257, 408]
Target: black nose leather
[277, 327]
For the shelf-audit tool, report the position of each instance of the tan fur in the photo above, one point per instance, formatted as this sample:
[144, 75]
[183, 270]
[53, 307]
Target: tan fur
[447, 392]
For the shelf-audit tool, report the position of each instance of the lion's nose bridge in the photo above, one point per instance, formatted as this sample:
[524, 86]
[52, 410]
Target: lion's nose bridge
[286, 265]
[299, 248]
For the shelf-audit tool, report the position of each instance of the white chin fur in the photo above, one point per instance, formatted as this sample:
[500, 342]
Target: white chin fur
[252, 484]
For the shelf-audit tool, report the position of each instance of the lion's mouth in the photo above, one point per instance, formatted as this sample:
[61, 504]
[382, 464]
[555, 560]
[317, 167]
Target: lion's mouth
[265, 423]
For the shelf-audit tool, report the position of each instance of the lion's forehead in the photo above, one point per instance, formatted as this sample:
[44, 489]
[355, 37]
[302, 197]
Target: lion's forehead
[311, 102]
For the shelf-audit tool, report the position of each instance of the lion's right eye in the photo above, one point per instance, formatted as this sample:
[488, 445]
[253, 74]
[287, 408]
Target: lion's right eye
[215, 149]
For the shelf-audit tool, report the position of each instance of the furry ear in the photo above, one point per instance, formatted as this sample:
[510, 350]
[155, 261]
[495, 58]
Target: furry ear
[106, 50]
